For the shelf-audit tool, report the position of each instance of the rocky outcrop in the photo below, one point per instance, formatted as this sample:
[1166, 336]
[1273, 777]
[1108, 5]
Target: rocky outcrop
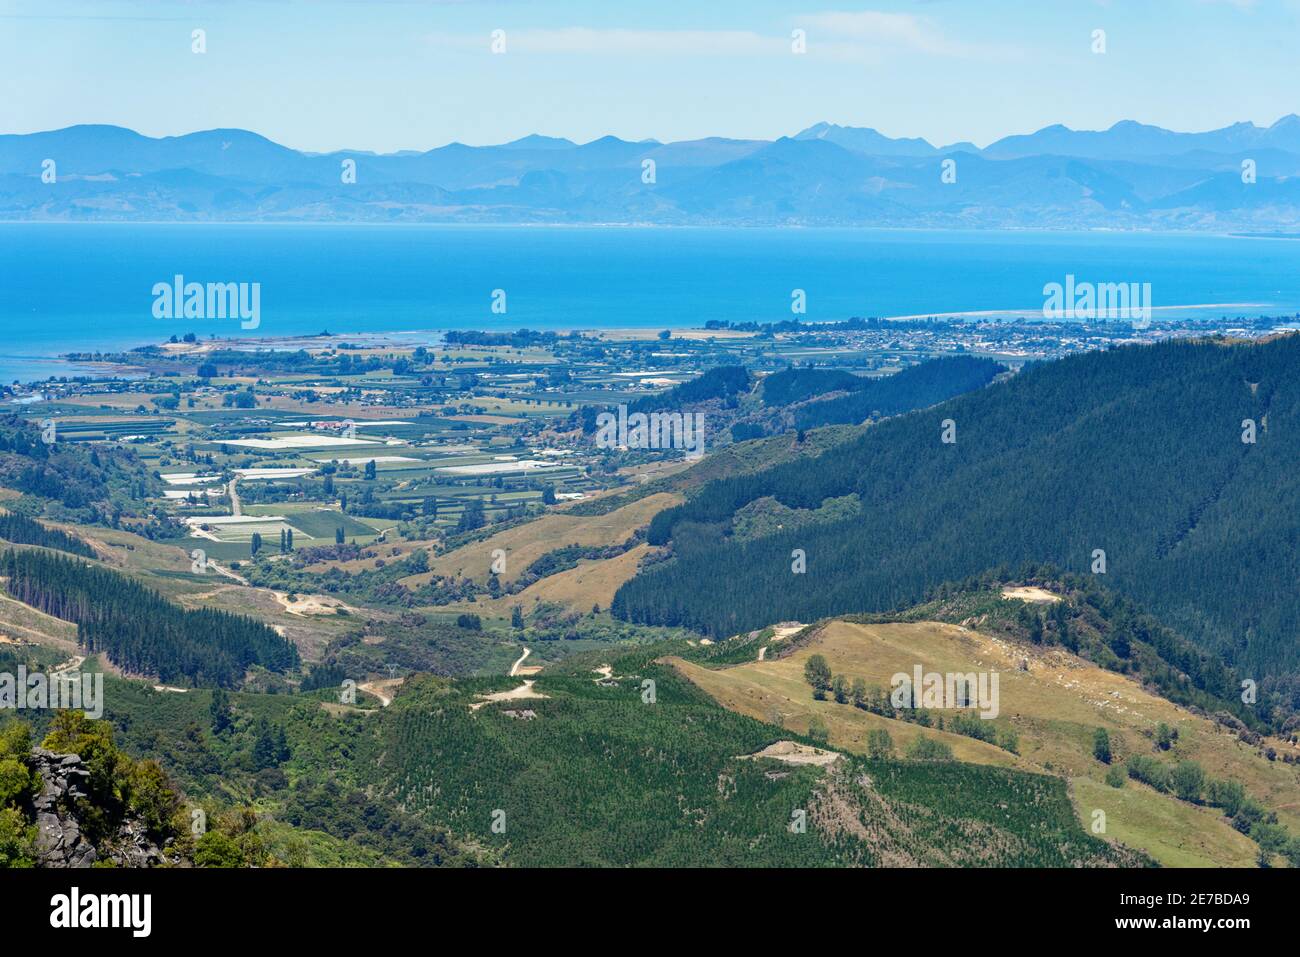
[59, 841]
[60, 837]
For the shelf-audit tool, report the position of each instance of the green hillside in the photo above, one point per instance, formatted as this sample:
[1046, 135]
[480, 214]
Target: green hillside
[600, 777]
[1136, 452]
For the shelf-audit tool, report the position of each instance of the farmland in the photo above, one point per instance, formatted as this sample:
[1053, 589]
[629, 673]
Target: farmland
[417, 554]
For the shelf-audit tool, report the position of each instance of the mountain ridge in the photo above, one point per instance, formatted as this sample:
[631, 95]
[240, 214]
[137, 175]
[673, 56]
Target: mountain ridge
[1132, 175]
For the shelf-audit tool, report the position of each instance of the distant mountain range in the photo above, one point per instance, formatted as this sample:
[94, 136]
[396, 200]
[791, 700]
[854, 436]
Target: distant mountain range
[1129, 176]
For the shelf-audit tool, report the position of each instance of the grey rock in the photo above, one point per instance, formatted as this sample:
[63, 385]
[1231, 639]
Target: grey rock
[59, 838]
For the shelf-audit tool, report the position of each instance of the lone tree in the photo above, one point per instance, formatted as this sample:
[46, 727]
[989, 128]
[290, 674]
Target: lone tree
[1165, 736]
[1101, 746]
[818, 674]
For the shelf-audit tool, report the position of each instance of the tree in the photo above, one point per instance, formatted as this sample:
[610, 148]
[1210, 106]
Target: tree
[265, 751]
[1035, 628]
[1187, 781]
[338, 536]
[15, 779]
[879, 744]
[370, 471]
[928, 749]
[548, 495]
[219, 709]
[516, 617]
[1068, 637]
[859, 693]
[840, 688]
[469, 621]
[430, 507]
[471, 516]
[1228, 795]
[281, 744]
[1008, 740]
[255, 544]
[818, 731]
[215, 849]
[17, 839]
[1101, 746]
[153, 797]
[818, 674]
[1165, 736]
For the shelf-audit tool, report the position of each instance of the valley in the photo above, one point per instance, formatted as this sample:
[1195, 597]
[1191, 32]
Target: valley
[413, 577]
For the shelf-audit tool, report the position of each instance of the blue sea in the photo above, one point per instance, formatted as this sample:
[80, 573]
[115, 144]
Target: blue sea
[86, 287]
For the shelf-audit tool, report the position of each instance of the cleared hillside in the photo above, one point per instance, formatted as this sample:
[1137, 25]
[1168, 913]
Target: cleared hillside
[524, 544]
[594, 774]
[1054, 702]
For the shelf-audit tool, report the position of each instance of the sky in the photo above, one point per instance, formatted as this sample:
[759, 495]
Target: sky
[386, 75]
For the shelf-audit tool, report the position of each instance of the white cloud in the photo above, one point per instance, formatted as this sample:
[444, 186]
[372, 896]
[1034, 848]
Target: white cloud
[619, 42]
[880, 32]
[858, 36]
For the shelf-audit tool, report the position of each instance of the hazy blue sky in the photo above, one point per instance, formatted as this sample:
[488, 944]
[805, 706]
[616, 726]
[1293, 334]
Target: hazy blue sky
[388, 74]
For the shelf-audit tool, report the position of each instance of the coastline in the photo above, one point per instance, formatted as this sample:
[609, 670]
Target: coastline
[77, 364]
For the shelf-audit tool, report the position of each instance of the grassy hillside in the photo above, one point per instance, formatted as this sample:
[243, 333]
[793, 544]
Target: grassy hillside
[524, 544]
[1053, 701]
[597, 776]
[578, 768]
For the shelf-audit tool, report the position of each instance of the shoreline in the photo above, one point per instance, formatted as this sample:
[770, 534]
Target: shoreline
[117, 363]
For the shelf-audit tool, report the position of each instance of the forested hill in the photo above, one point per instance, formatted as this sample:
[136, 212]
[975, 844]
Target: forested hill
[1137, 451]
[96, 485]
[138, 629]
[914, 388]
